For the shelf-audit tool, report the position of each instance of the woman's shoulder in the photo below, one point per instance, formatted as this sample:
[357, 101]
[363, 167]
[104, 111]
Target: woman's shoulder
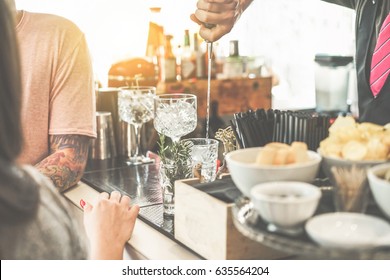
[52, 202]
[47, 190]
[53, 233]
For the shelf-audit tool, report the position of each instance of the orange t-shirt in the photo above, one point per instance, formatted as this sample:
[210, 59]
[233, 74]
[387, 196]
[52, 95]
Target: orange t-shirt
[57, 78]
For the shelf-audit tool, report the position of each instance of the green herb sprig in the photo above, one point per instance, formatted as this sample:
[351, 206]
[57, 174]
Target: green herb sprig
[176, 156]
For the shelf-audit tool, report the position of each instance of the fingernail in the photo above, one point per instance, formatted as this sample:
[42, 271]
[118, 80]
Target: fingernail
[82, 203]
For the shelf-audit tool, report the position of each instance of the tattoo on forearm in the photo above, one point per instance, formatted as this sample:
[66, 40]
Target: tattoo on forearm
[66, 162]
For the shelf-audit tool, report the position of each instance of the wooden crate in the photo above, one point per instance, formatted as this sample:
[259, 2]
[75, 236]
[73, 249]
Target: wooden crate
[205, 224]
[232, 95]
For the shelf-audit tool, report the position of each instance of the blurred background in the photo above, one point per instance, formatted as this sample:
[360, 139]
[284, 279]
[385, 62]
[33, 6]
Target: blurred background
[284, 34]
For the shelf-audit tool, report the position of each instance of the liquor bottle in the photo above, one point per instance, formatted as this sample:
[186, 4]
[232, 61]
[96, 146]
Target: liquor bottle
[200, 59]
[233, 48]
[234, 64]
[155, 43]
[156, 32]
[169, 60]
[188, 59]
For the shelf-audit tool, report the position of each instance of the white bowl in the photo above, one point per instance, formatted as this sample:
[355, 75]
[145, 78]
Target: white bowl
[380, 187]
[246, 173]
[348, 230]
[285, 204]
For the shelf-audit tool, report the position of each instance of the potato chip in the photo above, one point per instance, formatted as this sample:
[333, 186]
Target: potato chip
[347, 134]
[386, 140]
[376, 150]
[368, 130]
[331, 147]
[353, 141]
[354, 150]
[341, 123]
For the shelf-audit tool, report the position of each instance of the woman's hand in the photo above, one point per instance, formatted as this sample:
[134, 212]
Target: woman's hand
[220, 14]
[109, 225]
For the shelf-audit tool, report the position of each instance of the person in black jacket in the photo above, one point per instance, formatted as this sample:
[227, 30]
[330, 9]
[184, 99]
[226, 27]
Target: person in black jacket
[370, 15]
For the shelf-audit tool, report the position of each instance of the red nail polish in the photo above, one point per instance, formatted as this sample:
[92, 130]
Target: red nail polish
[82, 203]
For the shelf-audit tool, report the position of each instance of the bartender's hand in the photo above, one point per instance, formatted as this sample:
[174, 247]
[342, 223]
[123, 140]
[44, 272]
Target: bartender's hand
[109, 225]
[221, 14]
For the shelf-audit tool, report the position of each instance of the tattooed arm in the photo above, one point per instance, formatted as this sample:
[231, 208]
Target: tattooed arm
[67, 160]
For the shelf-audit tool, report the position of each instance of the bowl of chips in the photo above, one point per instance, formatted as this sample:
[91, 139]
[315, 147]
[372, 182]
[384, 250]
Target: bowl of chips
[273, 162]
[350, 143]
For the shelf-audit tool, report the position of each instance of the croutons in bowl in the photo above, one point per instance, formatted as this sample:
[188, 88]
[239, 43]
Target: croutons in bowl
[251, 166]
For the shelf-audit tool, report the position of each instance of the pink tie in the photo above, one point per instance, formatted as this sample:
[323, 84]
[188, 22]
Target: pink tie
[380, 64]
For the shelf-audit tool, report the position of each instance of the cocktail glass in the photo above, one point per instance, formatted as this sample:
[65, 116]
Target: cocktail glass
[135, 105]
[175, 114]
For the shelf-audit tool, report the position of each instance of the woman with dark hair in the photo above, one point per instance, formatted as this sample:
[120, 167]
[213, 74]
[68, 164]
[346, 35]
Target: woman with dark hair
[35, 221]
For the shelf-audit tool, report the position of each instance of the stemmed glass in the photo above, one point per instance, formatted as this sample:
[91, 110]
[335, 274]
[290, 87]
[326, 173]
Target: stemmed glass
[175, 114]
[136, 108]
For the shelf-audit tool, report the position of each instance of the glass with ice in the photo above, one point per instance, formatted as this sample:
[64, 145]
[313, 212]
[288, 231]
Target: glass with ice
[204, 156]
[135, 106]
[175, 114]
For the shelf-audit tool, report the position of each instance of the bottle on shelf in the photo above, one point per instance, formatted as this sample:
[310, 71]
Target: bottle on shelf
[155, 43]
[169, 61]
[178, 52]
[234, 64]
[233, 48]
[188, 59]
[201, 72]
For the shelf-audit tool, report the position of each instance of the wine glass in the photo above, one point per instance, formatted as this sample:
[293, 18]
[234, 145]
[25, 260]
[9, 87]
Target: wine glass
[175, 114]
[135, 105]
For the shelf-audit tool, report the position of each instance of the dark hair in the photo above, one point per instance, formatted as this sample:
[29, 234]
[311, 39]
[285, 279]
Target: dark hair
[10, 87]
[18, 193]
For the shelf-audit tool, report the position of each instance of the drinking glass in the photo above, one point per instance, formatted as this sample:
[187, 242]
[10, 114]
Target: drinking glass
[175, 114]
[204, 156]
[135, 105]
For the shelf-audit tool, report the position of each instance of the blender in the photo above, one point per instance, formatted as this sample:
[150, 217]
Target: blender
[332, 74]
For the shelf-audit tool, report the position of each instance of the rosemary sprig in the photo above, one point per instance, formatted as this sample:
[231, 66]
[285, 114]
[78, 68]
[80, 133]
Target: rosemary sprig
[176, 158]
[174, 152]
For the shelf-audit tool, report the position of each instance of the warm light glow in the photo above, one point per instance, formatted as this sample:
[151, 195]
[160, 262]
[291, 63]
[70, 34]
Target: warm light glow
[286, 33]
[116, 29]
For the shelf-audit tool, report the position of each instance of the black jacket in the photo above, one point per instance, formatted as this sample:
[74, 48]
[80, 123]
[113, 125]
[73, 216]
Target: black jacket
[370, 15]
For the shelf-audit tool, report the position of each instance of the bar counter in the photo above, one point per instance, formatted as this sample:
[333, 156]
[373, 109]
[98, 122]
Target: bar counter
[153, 234]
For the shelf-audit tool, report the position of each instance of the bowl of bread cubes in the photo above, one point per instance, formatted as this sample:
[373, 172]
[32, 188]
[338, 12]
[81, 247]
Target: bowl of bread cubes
[273, 162]
[350, 143]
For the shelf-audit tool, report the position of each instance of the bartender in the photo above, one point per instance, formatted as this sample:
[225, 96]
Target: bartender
[372, 46]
